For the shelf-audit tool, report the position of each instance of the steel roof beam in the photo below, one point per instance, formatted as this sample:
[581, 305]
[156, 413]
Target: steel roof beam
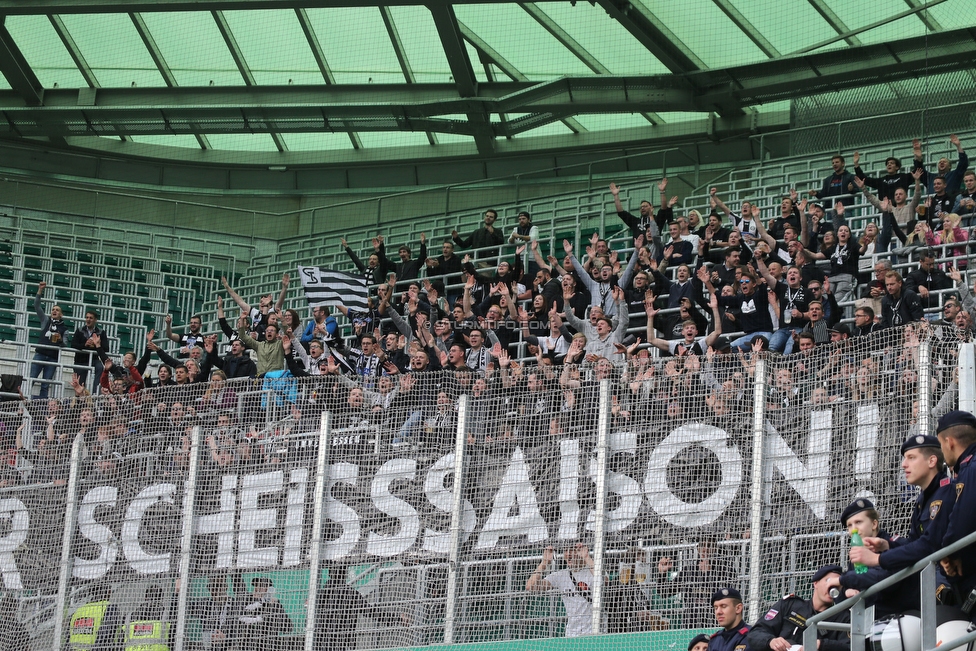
[18, 72]
[449, 32]
[654, 35]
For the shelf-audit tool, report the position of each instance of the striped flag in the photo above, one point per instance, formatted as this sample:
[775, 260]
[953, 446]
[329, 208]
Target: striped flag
[329, 287]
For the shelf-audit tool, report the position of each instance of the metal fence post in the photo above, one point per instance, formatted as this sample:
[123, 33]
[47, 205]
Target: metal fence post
[967, 377]
[600, 506]
[924, 386]
[927, 578]
[454, 555]
[70, 518]
[186, 543]
[318, 520]
[755, 527]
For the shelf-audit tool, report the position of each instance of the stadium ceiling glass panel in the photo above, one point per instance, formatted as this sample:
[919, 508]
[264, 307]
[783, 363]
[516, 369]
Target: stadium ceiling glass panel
[524, 70]
[193, 48]
[789, 26]
[356, 45]
[606, 40]
[44, 51]
[421, 44]
[856, 18]
[523, 42]
[120, 61]
[709, 33]
[953, 14]
[274, 47]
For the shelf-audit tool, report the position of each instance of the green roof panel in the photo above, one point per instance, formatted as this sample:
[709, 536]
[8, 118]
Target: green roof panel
[44, 51]
[118, 61]
[357, 46]
[193, 48]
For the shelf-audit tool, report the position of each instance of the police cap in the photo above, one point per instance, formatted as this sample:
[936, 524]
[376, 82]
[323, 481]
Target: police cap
[695, 640]
[855, 507]
[919, 441]
[825, 570]
[726, 593]
[954, 418]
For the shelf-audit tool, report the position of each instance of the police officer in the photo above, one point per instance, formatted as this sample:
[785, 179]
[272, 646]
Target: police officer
[783, 625]
[922, 463]
[698, 643]
[862, 516]
[957, 434]
[727, 604]
[147, 630]
[95, 626]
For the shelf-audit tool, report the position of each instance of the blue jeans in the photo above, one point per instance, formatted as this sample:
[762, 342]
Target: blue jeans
[744, 341]
[44, 371]
[408, 428]
[782, 340]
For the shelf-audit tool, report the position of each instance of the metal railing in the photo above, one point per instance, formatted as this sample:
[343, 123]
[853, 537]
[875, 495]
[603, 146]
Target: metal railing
[859, 624]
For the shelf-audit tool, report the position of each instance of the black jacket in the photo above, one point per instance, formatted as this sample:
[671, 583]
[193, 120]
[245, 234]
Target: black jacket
[788, 619]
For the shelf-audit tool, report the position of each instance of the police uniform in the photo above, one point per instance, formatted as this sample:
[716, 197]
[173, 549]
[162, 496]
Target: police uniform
[962, 518]
[898, 598]
[787, 618]
[729, 639]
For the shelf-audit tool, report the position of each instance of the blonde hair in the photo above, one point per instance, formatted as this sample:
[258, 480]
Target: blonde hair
[950, 224]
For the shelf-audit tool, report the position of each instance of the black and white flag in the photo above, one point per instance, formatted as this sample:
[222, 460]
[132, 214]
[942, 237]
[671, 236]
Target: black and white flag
[329, 287]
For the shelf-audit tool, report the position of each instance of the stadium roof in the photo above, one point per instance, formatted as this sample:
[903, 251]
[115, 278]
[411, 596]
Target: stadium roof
[266, 82]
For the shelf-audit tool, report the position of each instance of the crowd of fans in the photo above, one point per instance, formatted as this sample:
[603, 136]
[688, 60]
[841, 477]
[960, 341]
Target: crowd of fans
[709, 294]
[677, 321]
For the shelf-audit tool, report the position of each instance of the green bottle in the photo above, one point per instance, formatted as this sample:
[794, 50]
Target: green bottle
[856, 541]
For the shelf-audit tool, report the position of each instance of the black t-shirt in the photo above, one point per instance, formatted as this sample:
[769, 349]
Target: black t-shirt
[790, 298]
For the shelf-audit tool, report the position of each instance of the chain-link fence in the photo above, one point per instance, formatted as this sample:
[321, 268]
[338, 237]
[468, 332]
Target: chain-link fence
[338, 512]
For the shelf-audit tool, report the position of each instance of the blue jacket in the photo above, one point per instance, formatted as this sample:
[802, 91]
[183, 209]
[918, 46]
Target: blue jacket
[726, 640]
[939, 506]
[962, 521]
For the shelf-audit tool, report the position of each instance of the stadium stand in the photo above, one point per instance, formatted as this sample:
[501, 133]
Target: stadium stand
[650, 460]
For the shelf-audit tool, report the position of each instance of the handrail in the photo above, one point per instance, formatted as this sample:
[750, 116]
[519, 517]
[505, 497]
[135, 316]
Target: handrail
[813, 623]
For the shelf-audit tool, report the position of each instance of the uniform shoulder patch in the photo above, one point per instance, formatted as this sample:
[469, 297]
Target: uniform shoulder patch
[945, 482]
[934, 508]
[714, 635]
[740, 647]
[744, 630]
[959, 488]
[771, 615]
[966, 460]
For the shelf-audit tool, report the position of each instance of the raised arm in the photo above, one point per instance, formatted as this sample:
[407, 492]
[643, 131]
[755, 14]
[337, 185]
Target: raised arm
[652, 337]
[172, 336]
[761, 229]
[615, 191]
[719, 203]
[352, 255]
[241, 303]
[281, 295]
[591, 284]
[716, 321]
[764, 272]
[632, 263]
[537, 255]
